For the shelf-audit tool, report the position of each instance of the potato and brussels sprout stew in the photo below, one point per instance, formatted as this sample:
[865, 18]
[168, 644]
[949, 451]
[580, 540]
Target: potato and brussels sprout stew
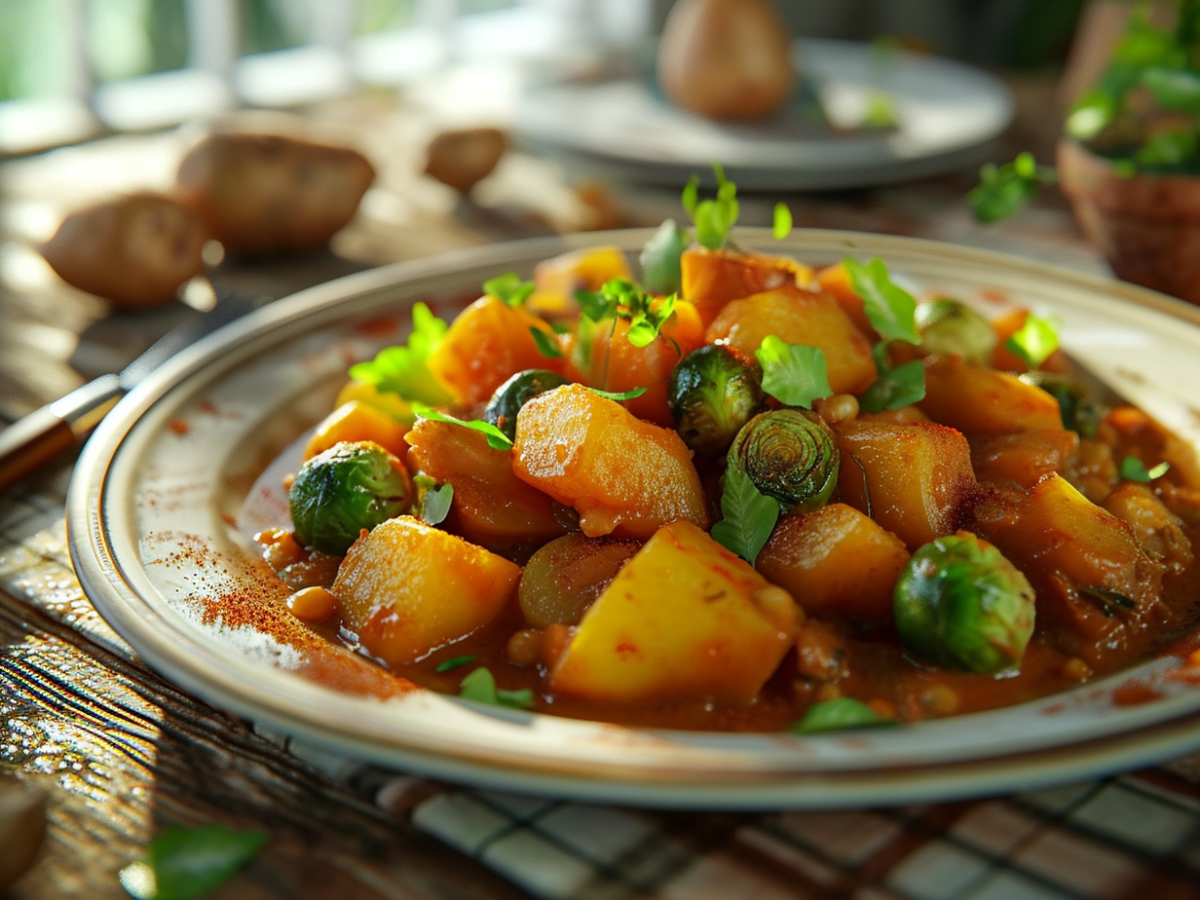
[740, 494]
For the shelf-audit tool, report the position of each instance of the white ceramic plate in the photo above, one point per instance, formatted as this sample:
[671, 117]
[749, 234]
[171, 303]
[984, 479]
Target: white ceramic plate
[947, 112]
[157, 518]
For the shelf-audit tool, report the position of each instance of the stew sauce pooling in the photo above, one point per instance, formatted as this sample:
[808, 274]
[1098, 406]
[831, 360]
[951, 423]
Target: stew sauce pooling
[770, 497]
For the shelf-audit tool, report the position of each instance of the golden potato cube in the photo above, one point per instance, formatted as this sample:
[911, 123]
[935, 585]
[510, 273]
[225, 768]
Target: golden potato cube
[914, 480]
[685, 619]
[978, 400]
[406, 589]
[835, 561]
[356, 421]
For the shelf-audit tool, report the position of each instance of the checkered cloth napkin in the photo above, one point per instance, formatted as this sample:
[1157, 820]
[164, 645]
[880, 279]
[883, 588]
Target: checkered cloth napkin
[1134, 836]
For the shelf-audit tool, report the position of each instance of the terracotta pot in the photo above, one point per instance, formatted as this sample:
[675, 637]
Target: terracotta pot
[1147, 226]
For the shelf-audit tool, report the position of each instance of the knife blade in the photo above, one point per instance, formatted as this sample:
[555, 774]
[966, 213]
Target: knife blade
[39, 437]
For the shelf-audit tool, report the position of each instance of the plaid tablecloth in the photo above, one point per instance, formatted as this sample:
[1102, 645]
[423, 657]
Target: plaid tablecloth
[1133, 836]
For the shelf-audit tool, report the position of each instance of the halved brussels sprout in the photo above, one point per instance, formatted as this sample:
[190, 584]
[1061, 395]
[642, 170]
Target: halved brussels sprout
[789, 454]
[508, 399]
[349, 487]
[961, 605]
[712, 393]
[950, 327]
[1079, 410]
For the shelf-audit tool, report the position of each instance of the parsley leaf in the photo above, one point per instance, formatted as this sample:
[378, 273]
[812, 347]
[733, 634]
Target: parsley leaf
[402, 369]
[510, 288]
[546, 345]
[185, 863]
[1133, 469]
[480, 686]
[1034, 341]
[833, 715]
[895, 388]
[622, 299]
[781, 225]
[794, 374]
[648, 318]
[891, 309]
[1002, 190]
[454, 662]
[661, 272]
[713, 218]
[496, 438]
[748, 516]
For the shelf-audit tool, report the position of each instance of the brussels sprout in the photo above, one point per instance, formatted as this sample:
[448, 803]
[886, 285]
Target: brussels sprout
[349, 487]
[961, 605]
[508, 399]
[789, 454]
[951, 327]
[712, 394]
[1080, 412]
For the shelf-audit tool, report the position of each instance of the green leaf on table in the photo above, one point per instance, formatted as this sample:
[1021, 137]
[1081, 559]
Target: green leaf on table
[837, 714]
[794, 374]
[781, 225]
[185, 863]
[1002, 190]
[480, 686]
[1165, 149]
[546, 345]
[895, 388]
[748, 516]
[496, 438]
[1133, 469]
[1034, 341]
[510, 288]
[661, 272]
[403, 369]
[891, 310]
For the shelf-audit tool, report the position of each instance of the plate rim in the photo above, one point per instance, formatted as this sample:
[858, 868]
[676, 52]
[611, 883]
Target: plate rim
[116, 600]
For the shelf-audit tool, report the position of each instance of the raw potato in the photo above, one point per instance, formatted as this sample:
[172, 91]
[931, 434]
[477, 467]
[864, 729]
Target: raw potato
[625, 477]
[136, 250]
[263, 194]
[726, 59]
[835, 561]
[685, 619]
[464, 157]
[405, 589]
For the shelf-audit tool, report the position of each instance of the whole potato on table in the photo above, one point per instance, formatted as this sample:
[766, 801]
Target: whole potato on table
[262, 194]
[136, 249]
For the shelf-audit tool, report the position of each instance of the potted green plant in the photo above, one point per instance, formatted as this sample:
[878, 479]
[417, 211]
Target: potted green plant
[1129, 157]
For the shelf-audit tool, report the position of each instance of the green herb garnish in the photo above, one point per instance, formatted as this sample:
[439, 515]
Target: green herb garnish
[748, 516]
[496, 438]
[794, 374]
[185, 863]
[402, 369]
[713, 218]
[661, 273]
[622, 299]
[546, 345]
[834, 715]
[480, 686]
[895, 388]
[619, 395]
[1034, 341]
[781, 224]
[454, 662]
[1002, 190]
[1133, 469]
[510, 288]
[433, 499]
[891, 310]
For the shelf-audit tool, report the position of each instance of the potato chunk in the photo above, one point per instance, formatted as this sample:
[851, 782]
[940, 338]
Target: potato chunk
[800, 317]
[355, 420]
[835, 561]
[914, 480]
[685, 619]
[624, 477]
[711, 278]
[406, 589]
[978, 400]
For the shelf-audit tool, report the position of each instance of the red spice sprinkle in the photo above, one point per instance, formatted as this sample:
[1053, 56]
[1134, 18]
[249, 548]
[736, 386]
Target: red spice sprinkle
[179, 427]
[1134, 693]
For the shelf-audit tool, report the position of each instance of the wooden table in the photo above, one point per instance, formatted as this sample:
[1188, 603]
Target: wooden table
[122, 754]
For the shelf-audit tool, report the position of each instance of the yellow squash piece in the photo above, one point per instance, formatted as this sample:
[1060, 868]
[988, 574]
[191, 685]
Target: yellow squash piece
[406, 589]
[685, 619]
